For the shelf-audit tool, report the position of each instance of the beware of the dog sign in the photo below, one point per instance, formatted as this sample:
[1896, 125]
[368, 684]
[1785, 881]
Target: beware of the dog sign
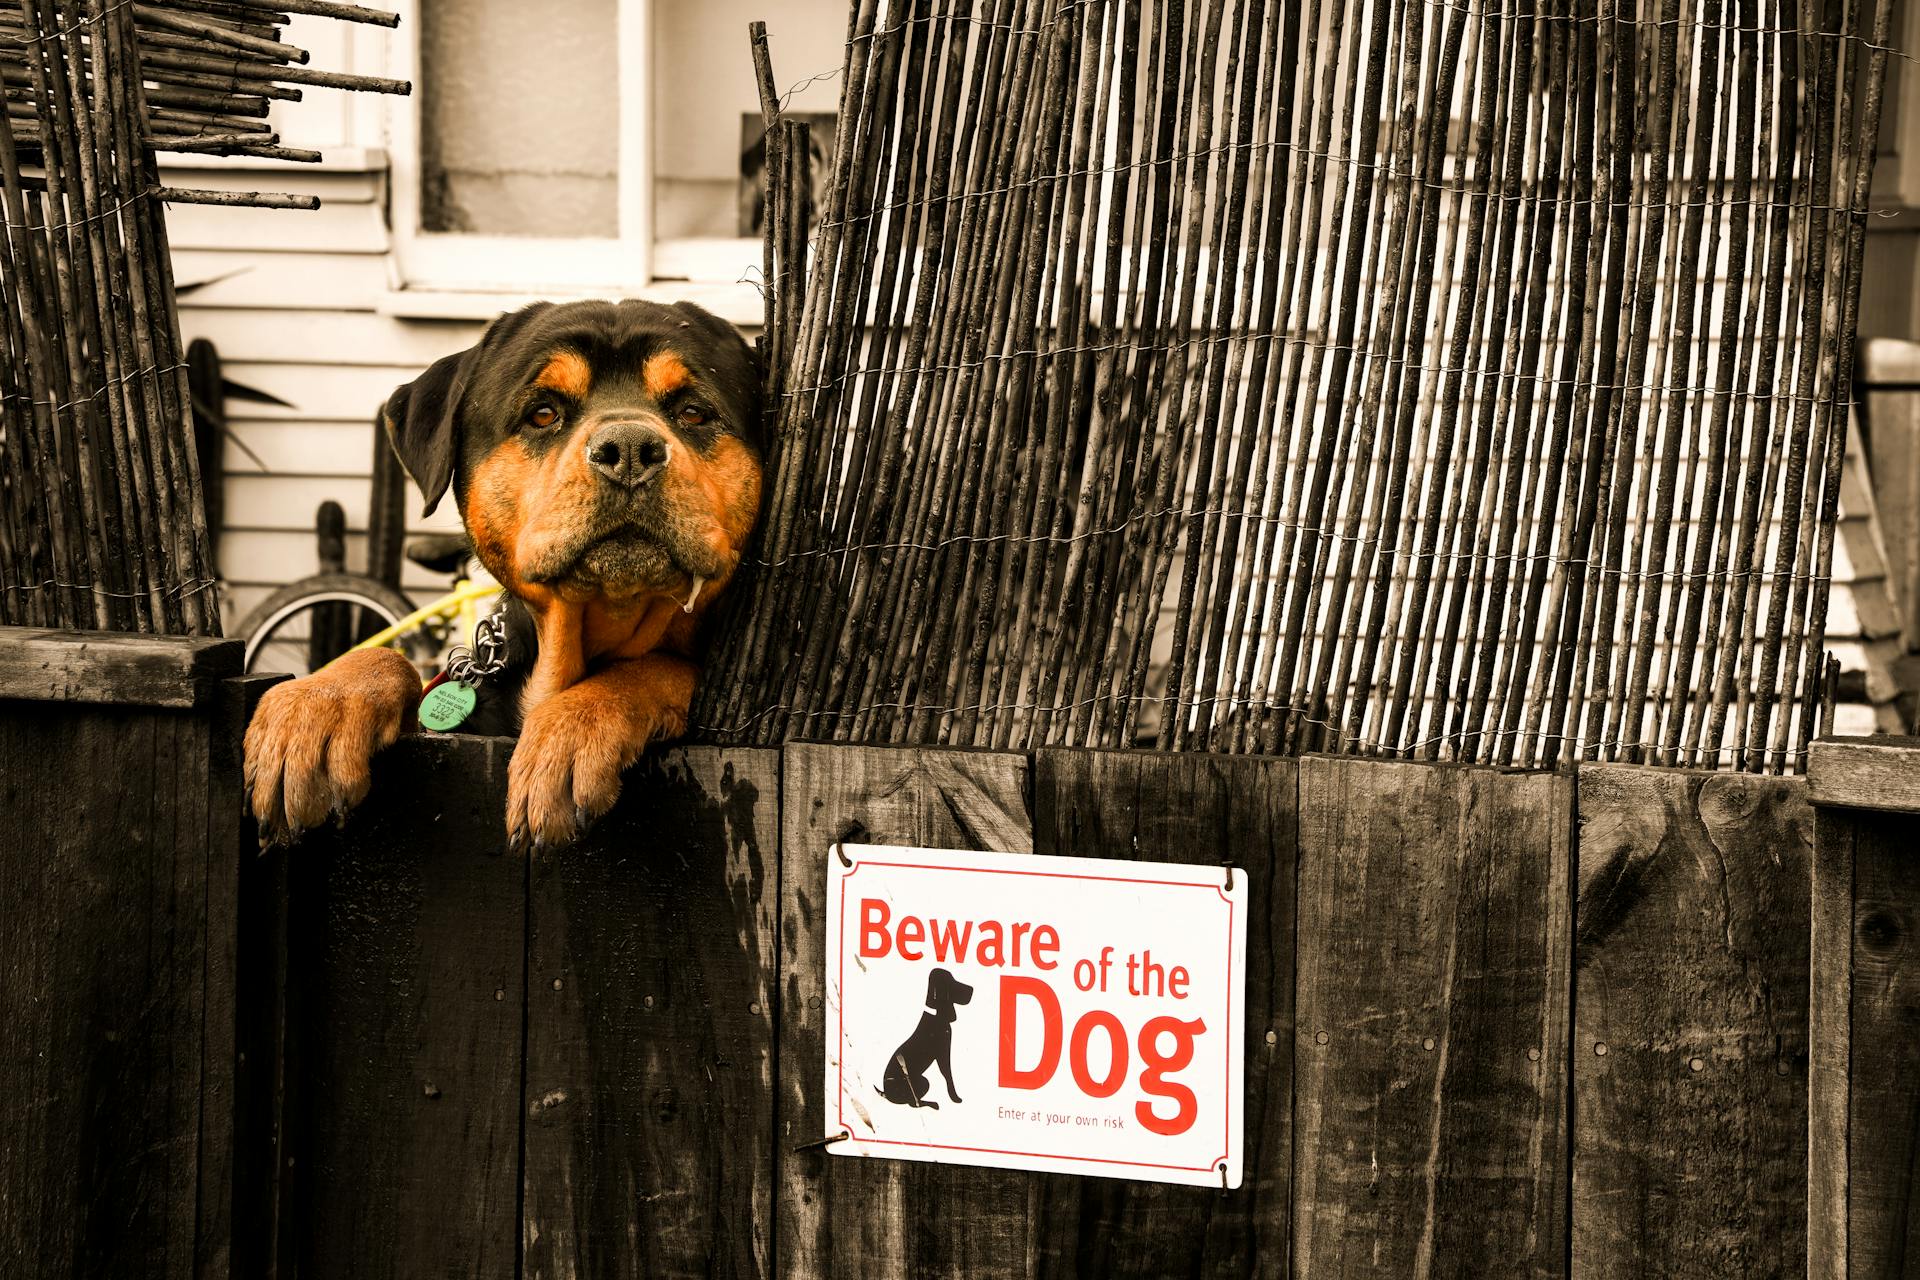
[1076, 1015]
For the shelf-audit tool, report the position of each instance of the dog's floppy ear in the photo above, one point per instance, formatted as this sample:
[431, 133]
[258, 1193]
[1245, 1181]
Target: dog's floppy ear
[423, 417]
[423, 421]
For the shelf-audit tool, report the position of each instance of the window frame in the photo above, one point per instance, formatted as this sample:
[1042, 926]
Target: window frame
[466, 262]
[628, 264]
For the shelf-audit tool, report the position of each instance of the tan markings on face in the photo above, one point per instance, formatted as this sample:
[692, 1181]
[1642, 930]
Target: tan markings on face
[518, 507]
[568, 373]
[522, 506]
[664, 374]
[722, 491]
[492, 511]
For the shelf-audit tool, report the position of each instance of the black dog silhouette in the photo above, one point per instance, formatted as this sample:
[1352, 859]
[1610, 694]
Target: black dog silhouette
[931, 1042]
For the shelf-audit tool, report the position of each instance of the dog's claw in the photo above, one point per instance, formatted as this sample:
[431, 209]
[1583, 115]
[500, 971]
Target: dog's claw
[310, 742]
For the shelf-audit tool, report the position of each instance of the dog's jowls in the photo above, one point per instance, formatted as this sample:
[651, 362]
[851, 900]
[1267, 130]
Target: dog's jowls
[606, 461]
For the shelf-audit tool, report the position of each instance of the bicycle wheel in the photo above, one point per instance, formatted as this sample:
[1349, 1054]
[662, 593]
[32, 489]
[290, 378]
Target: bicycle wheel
[308, 623]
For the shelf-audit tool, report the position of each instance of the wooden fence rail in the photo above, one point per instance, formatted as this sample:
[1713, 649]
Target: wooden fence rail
[1498, 1023]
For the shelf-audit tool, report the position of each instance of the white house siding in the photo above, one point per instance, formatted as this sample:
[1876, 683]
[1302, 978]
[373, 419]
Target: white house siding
[292, 309]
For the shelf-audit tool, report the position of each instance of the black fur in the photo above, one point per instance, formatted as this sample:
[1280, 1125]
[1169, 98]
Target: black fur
[443, 423]
[446, 420]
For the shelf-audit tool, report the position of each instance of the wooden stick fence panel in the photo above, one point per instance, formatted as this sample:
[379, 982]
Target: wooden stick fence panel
[880, 1217]
[1196, 809]
[407, 947]
[1434, 945]
[103, 522]
[1690, 1043]
[1152, 388]
[649, 1095]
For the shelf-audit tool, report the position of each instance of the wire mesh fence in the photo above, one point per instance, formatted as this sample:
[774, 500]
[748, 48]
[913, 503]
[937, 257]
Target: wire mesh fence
[1449, 380]
[102, 523]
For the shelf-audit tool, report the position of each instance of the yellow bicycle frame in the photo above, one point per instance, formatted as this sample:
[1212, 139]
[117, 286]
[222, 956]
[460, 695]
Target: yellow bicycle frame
[461, 603]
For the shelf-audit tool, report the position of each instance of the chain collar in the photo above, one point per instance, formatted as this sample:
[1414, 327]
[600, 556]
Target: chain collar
[488, 655]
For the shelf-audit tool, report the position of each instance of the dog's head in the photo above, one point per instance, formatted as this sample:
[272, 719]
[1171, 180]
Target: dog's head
[944, 991]
[600, 452]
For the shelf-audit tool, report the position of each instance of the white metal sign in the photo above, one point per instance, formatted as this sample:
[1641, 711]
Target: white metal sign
[1077, 1015]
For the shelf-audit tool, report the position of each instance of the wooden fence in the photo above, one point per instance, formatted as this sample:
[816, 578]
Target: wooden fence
[1499, 1023]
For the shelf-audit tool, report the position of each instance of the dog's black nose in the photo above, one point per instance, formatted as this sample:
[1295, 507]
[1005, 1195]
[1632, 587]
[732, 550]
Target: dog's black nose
[629, 453]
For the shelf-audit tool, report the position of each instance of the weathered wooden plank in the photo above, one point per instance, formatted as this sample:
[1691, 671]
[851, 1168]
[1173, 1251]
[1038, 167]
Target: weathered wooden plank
[842, 1217]
[198, 1120]
[103, 992]
[246, 910]
[112, 667]
[1865, 773]
[1883, 1159]
[1829, 1042]
[650, 983]
[1690, 1062]
[1431, 1006]
[406, 943]
[1191, 809]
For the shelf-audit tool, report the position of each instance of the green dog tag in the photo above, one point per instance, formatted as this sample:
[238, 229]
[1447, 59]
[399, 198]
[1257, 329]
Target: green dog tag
[446, 705]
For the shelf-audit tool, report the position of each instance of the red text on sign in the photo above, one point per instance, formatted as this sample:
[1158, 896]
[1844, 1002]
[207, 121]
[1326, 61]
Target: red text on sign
[1155, 1065]
[993, 944]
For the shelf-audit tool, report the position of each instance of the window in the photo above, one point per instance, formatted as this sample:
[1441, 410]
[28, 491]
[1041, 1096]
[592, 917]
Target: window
[513, 165]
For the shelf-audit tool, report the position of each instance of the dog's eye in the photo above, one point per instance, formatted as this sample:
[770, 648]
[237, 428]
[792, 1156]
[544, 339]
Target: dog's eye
[543, 415]
[693, 414]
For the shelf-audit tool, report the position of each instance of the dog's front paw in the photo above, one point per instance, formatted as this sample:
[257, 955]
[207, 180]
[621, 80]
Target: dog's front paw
[311, 741]
[565, 771]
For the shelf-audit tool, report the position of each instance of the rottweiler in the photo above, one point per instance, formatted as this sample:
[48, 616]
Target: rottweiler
[606, 458]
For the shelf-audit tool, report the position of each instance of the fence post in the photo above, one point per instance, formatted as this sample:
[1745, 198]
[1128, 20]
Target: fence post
[1865, 1002]
[121, 846]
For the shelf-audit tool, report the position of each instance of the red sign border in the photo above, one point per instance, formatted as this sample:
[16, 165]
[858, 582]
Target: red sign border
[1226, 1128]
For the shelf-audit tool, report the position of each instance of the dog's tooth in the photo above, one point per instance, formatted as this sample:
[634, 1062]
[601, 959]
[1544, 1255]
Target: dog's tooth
[698, 582]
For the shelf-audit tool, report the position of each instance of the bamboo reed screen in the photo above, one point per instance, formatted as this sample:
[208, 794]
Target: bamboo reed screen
[101, 519]
[1447, 380]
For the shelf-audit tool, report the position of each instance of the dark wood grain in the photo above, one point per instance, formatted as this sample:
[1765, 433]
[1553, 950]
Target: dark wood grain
[114, 1019]
[407, 949]
[1829, 1042]
[111, 667]
[650, 981]
[850, 1217]
[1431, 1007]
[231, 1085]
[1883, 1159]
[1690, 1063]
[269, 1122]
[1881, 773]
[1168, 807]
